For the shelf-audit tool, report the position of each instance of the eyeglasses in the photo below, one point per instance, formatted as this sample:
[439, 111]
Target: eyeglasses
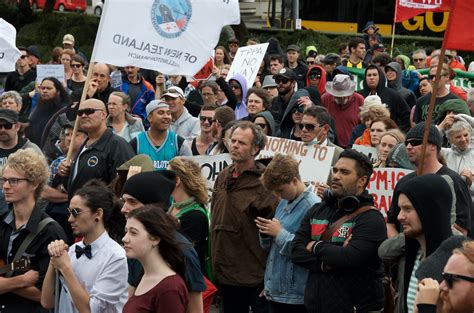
[12, 181]
[75, 211]
[310, 62]
[24, 56]
[309, 127]
[210, 120]
[262, 125]
[234, 86]
[418, 60]
[432, 77]
[451, 278]
[6, 126]
[87, 111]
[76, 65]
[314, 76]
[281, 80]
[299, 109]
[414, 142]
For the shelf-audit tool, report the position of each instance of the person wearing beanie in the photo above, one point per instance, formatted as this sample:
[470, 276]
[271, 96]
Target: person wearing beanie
[432, 165]
[425, 219]
[156, 188]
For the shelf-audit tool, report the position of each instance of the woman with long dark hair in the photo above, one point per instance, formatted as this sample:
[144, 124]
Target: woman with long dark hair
[150, 238]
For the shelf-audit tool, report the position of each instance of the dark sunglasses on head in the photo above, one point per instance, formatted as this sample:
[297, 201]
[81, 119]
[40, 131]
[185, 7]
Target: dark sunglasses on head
[309, 127]
[262, 125]
[87, 111]
[414, 142]
[76, 65]
[451, 278]
[75, 211]
[314, 76]
[6, 126]
[282, 80]
[210, 120]
[299, 109]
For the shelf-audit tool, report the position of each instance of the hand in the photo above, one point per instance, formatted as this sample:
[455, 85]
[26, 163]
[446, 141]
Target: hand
[133, 170]
[447, 122]
[268, 227]
[309, 246]
[468, 175]
[346, 242]
[30, 278]
[306, 101]
[428, 292]
[216, 72]
[57, 248]
[64, 168]
[257, 82]
[320, 188]
[93, 85]
[160, 79]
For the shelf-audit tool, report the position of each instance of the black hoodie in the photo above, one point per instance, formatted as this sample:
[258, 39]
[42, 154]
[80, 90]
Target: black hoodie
[397, 85]
[399, 109]
[434, 214]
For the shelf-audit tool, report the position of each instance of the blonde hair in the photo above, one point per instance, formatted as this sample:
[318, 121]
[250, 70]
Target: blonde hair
[189, 172]
[373, 111]
[32, 164]
[467, 250]
[395, 133]
[281, 170]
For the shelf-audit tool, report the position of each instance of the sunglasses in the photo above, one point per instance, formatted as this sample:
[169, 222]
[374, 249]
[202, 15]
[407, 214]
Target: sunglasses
[310, 62]
[414, 142]
[418, 60]
[432, 77]
[75, 212]
[262, 125]
[281, 80]
[210, 120]
[299, 109]
[76, 65]
[6, 126]
[451, 278]
[234, 86]
[314, 76]
[87, 111]
[23, 56]
[309, 127]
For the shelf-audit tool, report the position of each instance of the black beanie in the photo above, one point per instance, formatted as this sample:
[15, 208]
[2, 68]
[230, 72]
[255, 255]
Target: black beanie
[433, 137]
[151, 187]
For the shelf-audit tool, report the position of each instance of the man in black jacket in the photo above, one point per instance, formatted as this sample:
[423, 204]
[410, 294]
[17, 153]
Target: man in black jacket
[375, 84]
[345, 272]
[286, 81]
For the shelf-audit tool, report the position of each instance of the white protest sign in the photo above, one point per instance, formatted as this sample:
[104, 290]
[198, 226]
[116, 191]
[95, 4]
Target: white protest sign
[381, 186]
[370, 152]
[170, 36]
[9, 54]
[315, 161]
[247, 62]
[212, 165]
[50, 70]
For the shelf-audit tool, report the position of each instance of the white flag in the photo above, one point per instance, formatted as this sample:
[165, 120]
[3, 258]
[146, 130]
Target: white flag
[9, 54]
[170, 36]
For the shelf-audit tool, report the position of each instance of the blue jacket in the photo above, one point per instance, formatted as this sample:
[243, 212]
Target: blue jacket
[138, 105]
[284, 281]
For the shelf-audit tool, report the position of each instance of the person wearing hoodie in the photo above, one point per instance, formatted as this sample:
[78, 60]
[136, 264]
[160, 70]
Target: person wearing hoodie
[426, 224]
[393, 73]
[410, 79]
[375, 84]
[265, 120]
[299, 101]
[316, 77]
[238, 84]
[286, 82]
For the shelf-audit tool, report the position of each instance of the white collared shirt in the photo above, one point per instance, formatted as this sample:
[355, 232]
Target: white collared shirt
[104, 277]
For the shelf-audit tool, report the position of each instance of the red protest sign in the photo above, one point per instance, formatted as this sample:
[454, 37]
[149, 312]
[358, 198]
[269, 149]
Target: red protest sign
[206, 71]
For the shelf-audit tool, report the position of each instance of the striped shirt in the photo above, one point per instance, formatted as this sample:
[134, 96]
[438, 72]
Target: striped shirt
[413, 286]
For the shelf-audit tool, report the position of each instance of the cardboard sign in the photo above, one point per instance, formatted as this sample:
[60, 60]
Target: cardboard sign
[315, 161]
[212, 165]
[50, 70]
[382, 184]
[370, 152]
[247, 62]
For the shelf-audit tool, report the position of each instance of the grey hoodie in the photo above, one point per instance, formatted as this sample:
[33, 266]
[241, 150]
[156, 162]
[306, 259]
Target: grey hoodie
[267, 115]
[397, 85]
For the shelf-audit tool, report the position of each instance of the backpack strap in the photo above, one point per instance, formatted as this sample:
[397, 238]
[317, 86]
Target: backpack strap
[335, 226]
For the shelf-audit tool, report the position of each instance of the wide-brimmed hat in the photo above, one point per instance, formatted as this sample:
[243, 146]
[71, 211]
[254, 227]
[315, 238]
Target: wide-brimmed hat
[268, 81]
[341, 86]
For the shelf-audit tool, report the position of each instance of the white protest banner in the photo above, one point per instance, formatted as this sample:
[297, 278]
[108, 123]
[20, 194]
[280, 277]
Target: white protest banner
[247, 62]
[370, 152]
[50, 70]
[381, 186]
[211, 165]
[170, 36]
[315, 161]
[9, 54]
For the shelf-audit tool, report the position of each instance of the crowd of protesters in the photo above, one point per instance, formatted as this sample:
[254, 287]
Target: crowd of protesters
[117, 216]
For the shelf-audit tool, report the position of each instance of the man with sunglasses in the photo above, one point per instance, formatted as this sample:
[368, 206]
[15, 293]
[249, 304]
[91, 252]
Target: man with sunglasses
[286, 82]
[102, 153]
[23, 75]
[431, 165]
[419, 59]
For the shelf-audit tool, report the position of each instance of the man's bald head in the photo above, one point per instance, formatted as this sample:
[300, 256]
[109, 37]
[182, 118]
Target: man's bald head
[93, 104]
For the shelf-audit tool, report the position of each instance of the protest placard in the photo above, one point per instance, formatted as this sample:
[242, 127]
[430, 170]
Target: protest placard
[50, 70]
[247, 62]
[315, 161]
[212, 165]
[370, 152]
[381, 186]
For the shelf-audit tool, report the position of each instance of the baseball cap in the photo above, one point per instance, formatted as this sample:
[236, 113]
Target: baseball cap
[174, 92]
[378, 47]
[68, 39]
[9, 115]
[286, 73]
[155, 104]
[293, 47]
[331, 58]
[233, 40]
[33, 50]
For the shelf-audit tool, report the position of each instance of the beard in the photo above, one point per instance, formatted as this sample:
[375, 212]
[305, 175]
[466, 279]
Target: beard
[48, 106]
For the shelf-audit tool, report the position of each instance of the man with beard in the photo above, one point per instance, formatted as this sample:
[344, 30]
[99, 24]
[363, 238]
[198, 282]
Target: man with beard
[53, 97]
[338, 241]
[159, 142]
[286, 81]
[102, 153]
